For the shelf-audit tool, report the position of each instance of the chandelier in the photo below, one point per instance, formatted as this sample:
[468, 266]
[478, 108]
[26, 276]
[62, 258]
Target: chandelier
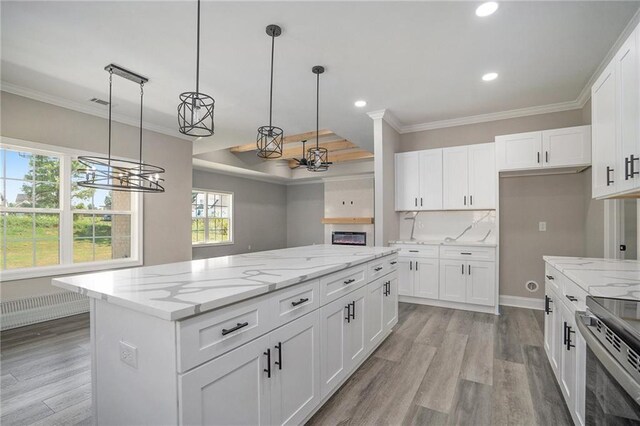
[116, 174]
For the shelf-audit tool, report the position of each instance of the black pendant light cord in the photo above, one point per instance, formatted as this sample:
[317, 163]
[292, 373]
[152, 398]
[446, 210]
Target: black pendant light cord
[141, 98]
[273, 42]
[317, 110]
[198, 53]
[110, 104]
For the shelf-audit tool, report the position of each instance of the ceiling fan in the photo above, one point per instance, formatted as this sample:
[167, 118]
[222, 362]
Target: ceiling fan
[304, 162]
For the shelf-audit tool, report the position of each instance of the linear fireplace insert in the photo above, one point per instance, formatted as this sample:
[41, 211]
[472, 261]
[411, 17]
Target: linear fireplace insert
[349, 238]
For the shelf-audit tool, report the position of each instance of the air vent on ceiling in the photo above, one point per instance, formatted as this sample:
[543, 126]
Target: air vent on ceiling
[99, 101]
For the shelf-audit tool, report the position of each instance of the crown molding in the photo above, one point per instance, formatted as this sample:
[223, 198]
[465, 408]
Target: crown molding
[388, 117]
[493, 116]
[87, 109]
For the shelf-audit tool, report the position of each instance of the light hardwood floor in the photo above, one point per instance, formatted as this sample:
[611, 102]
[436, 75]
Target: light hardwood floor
[439, 366]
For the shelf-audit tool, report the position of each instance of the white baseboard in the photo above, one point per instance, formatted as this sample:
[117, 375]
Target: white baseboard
[31, 310]
[447, 304]
[522, 302]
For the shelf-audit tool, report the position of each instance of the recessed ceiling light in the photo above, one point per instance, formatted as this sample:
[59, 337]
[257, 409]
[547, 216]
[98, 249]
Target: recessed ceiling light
[360, 104]
[486, 9]
[490, 76]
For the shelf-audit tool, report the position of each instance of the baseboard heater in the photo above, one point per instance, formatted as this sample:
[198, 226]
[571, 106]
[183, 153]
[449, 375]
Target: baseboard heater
[31, 310]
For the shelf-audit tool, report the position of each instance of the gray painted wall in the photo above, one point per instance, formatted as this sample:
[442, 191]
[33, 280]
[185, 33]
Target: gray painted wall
[386, 143]
[575, 222]
[40, 122]
[259, 214]
[305, 209]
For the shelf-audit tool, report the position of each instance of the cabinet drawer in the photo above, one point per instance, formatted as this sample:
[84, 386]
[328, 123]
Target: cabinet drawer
[468, 252]
[340, 283]
[552, 277]
[209, 335]
[573, 295]
[379, 267]
[296, 301]
[430, 252]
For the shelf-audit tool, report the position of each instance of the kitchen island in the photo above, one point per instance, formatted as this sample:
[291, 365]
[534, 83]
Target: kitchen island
[569, 281]
[258, 338]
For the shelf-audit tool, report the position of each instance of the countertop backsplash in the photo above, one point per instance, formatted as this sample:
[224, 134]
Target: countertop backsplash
[436, 226]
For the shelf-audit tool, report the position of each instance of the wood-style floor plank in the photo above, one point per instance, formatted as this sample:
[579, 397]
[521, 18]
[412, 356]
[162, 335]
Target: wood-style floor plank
[433, 332]
[477, 365]
[439, 383]
[549, 407]
[511, 403]
[402, 381]
[507, 345]
[471, 404]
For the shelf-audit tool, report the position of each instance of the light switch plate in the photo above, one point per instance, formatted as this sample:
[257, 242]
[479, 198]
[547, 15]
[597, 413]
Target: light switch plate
[129, 354]
[542, 226]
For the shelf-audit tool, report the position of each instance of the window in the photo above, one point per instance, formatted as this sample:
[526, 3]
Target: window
[51, 225]
[211, 217]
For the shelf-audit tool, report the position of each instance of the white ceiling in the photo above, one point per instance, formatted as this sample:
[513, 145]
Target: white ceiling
[420, 60]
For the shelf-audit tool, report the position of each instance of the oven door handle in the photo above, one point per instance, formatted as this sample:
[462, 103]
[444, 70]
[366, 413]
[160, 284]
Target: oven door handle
[614, 368]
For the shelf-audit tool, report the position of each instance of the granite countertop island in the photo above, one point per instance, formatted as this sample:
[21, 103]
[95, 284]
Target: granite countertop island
[601, 277]
[179, 290]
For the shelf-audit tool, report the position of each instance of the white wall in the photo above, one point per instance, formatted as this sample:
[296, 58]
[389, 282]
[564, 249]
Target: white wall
[166, 216]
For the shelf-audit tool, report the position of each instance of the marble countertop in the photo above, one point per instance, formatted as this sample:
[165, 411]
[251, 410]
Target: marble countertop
[444, 243]
[601, 277]
[179, 290]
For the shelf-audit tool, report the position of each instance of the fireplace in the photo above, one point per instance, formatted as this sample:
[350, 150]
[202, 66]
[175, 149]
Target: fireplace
[344, 238]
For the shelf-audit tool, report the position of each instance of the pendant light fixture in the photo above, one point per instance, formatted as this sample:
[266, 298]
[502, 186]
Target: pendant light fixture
[318, 157]
[115, 174]
[195, 112]
[269, 139]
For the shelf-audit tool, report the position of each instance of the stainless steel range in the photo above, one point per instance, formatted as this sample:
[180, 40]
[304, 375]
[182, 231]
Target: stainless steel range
[611, 329]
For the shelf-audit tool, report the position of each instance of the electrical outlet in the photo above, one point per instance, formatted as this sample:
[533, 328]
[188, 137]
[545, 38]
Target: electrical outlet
[542, 226]
[129, 354]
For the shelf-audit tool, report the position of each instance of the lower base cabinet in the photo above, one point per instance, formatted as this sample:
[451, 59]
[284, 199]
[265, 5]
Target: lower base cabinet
[271, 380]
[565, 347]
[468, 282]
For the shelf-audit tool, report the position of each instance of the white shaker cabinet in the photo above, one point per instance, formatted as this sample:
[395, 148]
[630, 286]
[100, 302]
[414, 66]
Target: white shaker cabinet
[219, 383]
[295, 385]
[603, 117]
[390, 303]
[627, 69]
[406, 276]
[615, 108]
[546, 149]
[430, 180]
[469, 177]
[455, 179]
[407, 167]
[566, 147]
[452, 281]
[277, 376]
[419, 180]
[519, 151]
[481, 283]
[333, 342]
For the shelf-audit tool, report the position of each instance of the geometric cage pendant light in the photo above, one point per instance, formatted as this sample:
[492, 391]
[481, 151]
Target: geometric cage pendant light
[195, 111]
[269, 140]
[116, 174]
[318, 157]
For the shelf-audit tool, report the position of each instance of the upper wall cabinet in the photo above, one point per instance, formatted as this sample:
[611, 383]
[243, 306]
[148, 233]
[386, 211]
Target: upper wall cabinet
[419, 180]
[458, 178]
[615, 116]
[548, 149]
[469, 177]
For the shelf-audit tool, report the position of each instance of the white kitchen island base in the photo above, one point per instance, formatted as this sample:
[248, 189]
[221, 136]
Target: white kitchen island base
[274, 358]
